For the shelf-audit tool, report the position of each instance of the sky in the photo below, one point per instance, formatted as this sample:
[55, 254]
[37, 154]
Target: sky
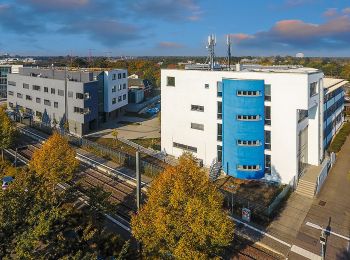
[174, 27]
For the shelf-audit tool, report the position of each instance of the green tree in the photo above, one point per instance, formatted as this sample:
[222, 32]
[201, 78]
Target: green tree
[7, 131]
[183, 217]
[55, 161]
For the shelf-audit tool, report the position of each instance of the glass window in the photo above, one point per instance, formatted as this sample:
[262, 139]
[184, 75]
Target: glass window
[170, 81]
[267, 115]
[114, 101]
[79, 95]
[268, 140]
[47, 102]
[267, 92]
[53, 91]
[60, 92]
[219, 89]
[197, 126]
[46, 89]
[185, 147]
[55, 104]
[38, 100]
[313, 89]
[119, 98]
[26, 86]
[197, 108]
[70, 94]
[219, 110]
[219, 135]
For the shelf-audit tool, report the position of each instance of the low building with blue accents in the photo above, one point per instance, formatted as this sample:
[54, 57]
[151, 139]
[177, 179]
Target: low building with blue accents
[256, 121]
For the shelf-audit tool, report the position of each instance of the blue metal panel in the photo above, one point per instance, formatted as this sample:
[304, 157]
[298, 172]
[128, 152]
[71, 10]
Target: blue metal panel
[233, 129]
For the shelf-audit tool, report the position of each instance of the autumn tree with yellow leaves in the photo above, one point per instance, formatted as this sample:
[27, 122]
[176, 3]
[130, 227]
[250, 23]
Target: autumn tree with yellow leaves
[183, 217]
[7, 131]
[55, 161]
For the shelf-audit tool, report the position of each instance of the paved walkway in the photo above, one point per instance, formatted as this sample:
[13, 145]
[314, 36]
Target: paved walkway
[331, 210]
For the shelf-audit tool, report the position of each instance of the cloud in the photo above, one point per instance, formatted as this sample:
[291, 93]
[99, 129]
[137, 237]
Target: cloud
[170, 10]
[331, 12]
[296, 3]
[334, 33]
[169, 45]
[14, 19]
[57, 4]
[346, 10]
[108, 31]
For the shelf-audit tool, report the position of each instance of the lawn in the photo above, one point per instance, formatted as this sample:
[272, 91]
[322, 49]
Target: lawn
[153, 143]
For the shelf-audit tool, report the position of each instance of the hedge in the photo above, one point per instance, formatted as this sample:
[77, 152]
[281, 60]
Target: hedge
[340, 138]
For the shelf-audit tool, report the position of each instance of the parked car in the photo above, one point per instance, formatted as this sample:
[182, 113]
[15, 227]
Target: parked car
[6, 182]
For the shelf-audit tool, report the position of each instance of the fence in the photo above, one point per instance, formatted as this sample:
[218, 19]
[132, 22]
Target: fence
[326, 166]
[119, 157]
[276, 202]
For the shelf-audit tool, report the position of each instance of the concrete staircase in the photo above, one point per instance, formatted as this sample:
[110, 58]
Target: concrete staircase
[215, 170]
[306, 188]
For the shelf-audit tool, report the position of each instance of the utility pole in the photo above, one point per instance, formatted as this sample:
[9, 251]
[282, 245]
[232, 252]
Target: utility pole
[138, 194]
[66, 98]
[323, 243]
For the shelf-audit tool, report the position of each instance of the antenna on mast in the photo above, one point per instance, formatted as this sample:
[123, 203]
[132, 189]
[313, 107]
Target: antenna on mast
[229, 42]
[211, 50]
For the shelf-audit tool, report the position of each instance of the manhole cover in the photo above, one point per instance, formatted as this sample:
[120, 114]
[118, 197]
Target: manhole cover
[322, 203]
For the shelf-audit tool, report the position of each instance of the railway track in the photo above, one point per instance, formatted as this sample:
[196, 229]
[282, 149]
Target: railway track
[121, 193]
[243, 250]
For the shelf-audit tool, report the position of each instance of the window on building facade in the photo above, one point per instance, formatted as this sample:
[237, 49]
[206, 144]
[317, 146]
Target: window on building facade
[53, 91]
[10, 104]
[87, 95]
[197, 108]
[26, 86]
[47, 102]
[302, 114]
[124, 86]
[70, 94]
[124, 75]
[78, 110]
[267, 92]
[219, 135]
[10, 93]
[248, 167]
[120, 87]
[11, 83]
[79, 95]
[114, 76]
[170, 81]
[124, 97]
[36, 87]
[28, 98]
[219, 114]
[38, 100]
[268, 140]
[248, 117]
[219, 153]
[248, 142]
[119, 75]
[267, 163]
[206, 85]
[46, 89]
[19, 95]
[185, 147]
[219, 89]
[114, 89]
[60, 92]
[197, 126]
[313, 89]
[248, 93]
[267, 115]
[55, 104]
[114, 101]
[119, 98]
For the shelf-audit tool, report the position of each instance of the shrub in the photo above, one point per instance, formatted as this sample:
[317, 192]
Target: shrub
[340, 138]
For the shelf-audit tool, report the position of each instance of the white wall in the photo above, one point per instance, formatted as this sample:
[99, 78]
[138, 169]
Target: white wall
[289, 92]
[109, 83]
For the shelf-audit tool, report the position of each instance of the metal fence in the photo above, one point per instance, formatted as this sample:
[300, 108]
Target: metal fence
[119, 157]
[276, 202]
[326, 166]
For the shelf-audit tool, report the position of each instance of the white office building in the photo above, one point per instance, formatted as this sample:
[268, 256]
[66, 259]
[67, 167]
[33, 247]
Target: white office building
[255, 121]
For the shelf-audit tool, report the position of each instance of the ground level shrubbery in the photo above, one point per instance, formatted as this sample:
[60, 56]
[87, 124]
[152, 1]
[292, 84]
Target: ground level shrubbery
[340, 138]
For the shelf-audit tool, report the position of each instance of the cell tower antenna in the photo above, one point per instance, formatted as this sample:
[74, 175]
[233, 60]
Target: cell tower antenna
[211, 50]
[229, 42]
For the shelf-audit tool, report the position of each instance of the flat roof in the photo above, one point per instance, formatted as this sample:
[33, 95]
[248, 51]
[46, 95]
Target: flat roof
[331, 84]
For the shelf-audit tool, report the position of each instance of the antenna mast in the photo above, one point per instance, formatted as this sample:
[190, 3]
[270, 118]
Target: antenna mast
[211, 50]
[229, 42]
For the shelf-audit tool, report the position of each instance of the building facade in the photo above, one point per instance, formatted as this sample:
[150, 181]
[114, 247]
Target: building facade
[257, 121]
[85, 99]
[4, 71]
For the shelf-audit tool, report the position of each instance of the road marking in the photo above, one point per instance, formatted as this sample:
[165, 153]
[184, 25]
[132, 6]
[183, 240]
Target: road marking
[305, 253]
[327, 231]
[260, 231]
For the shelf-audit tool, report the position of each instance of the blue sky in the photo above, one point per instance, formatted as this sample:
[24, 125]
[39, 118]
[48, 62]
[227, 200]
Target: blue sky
[174, 27]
